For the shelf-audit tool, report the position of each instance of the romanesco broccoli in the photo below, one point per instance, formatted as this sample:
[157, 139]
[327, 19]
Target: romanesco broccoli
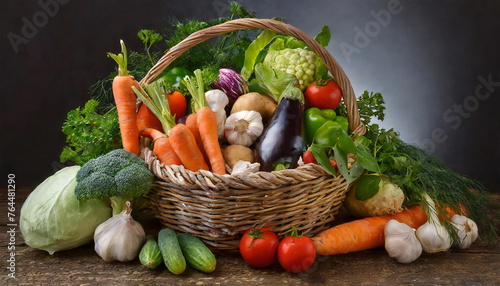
[304, 64]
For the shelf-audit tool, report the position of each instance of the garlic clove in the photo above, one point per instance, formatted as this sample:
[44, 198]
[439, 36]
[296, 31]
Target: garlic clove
[401, 242]
[467, 230]
[120, 237]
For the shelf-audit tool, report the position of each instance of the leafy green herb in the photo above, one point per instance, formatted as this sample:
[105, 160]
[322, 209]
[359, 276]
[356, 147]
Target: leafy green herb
[149, 38]
[370, 105]
[323, 37]
[89, 134]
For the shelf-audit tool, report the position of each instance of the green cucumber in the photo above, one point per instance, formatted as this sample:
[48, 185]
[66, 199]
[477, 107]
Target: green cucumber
[171, 251]
[197, 254]
[150, 254]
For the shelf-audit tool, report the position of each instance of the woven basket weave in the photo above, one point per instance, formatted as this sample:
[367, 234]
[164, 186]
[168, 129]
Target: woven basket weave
[218, 208]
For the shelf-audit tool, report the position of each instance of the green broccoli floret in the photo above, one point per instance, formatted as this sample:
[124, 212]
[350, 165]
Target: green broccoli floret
[118, 175]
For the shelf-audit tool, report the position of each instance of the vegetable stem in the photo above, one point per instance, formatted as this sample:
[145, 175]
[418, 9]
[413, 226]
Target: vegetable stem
[117, 204]
[154, 99]
[121, 60]
[196, 89]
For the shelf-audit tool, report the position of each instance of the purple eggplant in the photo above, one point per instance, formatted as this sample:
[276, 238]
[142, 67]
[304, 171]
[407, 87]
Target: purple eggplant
[282, 141]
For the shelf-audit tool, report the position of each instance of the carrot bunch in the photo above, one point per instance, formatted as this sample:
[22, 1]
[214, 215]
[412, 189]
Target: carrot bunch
[194, 144]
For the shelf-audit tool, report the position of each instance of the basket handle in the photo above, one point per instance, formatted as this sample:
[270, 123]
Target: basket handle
[272, 25]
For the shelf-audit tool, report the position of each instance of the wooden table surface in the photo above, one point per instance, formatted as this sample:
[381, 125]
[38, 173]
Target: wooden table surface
[479, 265]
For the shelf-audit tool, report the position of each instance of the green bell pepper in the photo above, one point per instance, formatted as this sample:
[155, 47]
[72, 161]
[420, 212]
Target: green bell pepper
[331, 133]
[175, 75]
[315, 118]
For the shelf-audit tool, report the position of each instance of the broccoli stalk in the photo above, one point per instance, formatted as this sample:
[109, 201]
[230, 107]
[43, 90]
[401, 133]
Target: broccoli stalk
[119, 176]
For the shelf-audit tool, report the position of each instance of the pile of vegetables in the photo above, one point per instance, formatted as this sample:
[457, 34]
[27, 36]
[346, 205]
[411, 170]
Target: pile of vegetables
[249, 101]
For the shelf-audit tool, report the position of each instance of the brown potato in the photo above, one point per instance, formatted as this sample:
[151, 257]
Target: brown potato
[234, 153]
[263, 104]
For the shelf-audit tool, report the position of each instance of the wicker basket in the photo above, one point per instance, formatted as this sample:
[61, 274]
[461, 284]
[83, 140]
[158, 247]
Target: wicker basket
[218, 208]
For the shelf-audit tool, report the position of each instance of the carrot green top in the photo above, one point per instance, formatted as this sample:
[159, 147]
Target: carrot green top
[153, 95]
[195, 87]
[121, 60]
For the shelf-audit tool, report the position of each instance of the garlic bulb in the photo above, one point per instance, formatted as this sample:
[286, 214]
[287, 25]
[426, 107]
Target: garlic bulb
[433, 236]
[401, 242]
[466, 229]
[120, 237]
[217, 101]
[243, 127]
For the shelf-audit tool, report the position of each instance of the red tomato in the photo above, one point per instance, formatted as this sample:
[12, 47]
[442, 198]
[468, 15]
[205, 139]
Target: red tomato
[258, 247]
[177, 104]
[323, 94]
[296, 253]
[308, 157]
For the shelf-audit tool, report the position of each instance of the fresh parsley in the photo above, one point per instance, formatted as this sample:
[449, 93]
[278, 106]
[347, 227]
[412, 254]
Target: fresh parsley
[89, 134]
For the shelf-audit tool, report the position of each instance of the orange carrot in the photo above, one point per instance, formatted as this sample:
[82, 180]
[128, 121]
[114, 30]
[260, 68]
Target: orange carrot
[207, 125]
[184, 144]
[192, 124]
[363, 234]
[147, 119]
[451, 211]
[162, 147]
[125, 100]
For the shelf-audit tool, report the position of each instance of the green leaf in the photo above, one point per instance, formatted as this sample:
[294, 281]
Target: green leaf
[293, 43]
[341, 159]
[319, 153]
[253, 50]
[238, 9]
[272, 82]
[286, 42]
[367, 187]
[321, 71]
[323, 37]
[346, 144]
[278, 44]
[366, 159]
[356, 170]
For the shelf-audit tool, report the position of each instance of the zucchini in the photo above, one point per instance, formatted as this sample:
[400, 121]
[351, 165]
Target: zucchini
[171, 251]
[150, 254]
[197, 254]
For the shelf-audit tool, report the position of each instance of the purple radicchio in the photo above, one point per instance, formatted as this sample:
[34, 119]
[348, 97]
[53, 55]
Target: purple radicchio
[231, 83]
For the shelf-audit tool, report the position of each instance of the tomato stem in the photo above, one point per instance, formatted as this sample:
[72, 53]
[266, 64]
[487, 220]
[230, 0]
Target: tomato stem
[255, 234]
[322, 82]
[294, 232]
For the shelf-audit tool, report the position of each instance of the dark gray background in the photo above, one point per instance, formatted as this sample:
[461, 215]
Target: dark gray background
[427, 60]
